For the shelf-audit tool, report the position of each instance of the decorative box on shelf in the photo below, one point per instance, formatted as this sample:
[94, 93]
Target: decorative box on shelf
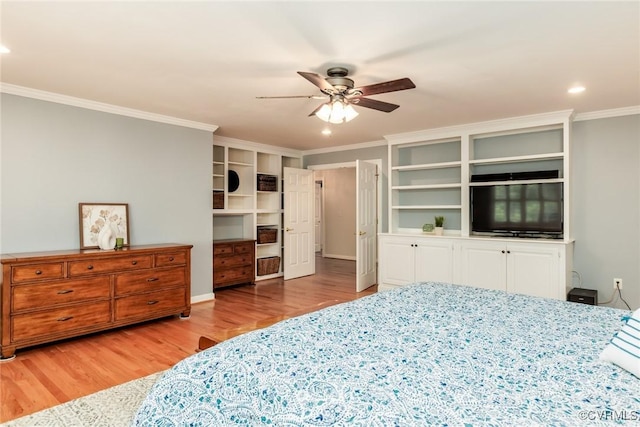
[267, 235]
[267, 182]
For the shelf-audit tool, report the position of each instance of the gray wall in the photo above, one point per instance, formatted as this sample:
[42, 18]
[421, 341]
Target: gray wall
[54, 156]
[339, 216]
[606, 205]
[369, 153]
[605, 180]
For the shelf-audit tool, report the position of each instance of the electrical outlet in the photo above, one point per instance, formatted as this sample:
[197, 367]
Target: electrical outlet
[617, 283]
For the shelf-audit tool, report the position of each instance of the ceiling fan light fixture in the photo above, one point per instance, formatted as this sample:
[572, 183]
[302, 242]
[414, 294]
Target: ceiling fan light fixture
[336, 112]
[324, 113]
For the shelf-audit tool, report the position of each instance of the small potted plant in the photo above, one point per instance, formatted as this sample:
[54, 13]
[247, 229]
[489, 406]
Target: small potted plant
[439, 228]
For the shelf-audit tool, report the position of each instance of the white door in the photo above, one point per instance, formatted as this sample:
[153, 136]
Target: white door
[366, 225]
[534, 270]
[483, 265]
[299, 241]
[396, 260]
[318, 216]
[434, 260]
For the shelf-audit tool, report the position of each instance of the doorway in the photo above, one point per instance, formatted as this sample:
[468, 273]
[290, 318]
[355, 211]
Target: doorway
[343, 232]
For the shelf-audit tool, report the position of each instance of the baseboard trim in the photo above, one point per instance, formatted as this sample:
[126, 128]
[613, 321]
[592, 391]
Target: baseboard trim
[203, 298]
[345, 257]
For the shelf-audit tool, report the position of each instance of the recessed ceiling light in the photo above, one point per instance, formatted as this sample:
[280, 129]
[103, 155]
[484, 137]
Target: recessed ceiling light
[4, 49]
[576, 89]
[326, 132]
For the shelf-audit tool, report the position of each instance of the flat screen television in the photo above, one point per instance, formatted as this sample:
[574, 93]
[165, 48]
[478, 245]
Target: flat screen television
[519, 210]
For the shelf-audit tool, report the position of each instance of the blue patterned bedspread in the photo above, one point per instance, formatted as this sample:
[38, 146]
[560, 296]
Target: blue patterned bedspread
[425, 354]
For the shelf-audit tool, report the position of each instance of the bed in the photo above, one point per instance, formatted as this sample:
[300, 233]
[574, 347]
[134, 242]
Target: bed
[424, 354]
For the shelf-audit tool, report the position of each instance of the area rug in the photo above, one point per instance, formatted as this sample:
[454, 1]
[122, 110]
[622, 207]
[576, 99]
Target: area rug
[114, 406]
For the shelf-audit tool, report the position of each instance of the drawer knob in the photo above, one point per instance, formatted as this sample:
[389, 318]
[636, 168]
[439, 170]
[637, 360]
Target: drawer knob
[152, 279]
[65, 291]
[171, 258]
[90, 267]
[134, 262]
[152, 302]
[64, 319]
[38, 272]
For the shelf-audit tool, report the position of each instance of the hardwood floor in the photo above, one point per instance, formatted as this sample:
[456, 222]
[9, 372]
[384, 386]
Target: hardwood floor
[45, 376]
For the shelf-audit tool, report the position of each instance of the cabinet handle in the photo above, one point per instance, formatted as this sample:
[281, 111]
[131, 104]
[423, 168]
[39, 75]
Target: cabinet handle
[508, 252]
[66, 291]
[134, 262]
[152, 279]
[90, 267]
[152, 302]
[64, 319]
[503, 251]
[38, 272]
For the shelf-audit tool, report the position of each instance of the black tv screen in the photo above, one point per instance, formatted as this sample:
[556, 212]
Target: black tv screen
[518, 209]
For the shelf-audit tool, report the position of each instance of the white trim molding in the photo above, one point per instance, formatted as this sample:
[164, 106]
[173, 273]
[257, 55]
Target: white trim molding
[345, 147]
[203, 298]
[100, 106]
[605, 114]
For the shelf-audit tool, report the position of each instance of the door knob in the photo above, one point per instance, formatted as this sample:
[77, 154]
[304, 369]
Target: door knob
[362, 233]
[289, 229]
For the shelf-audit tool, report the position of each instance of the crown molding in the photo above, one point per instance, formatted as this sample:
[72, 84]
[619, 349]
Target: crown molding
[358, 146]
[99, 106]
[256, 146]
[605, 114]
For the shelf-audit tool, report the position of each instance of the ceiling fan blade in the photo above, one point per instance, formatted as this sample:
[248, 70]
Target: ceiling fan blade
[292, 96]
[316, 110]
[390, 86]
[374, 104]
[319, 81]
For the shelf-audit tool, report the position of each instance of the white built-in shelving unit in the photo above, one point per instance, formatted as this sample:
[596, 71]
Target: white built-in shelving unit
[248, 209]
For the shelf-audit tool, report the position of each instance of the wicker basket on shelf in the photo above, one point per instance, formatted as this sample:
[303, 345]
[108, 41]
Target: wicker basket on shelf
[267, 235]
[268, 265]
[218, 200]
[267, 182]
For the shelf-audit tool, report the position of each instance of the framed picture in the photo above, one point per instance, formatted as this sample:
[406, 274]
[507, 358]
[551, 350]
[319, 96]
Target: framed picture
[95, 216]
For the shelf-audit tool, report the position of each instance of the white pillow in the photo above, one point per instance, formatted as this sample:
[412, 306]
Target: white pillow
[624, 348]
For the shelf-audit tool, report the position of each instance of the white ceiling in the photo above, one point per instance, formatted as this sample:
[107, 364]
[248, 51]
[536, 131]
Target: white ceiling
[207, 61]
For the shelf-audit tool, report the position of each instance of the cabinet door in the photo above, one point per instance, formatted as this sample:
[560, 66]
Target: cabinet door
[483, 265]
[396, 260]
[434, 261]
[534, 270]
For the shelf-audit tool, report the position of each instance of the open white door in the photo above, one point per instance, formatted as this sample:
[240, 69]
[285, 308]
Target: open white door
[366, 245]
[299, 228]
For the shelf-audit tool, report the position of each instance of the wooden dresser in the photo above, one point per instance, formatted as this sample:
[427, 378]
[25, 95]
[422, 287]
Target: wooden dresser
[234, 262]
[47, 296]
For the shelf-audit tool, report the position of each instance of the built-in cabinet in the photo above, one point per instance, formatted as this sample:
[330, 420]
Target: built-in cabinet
[536, 268]
[430, 174]
[408, 259]
[247, 197]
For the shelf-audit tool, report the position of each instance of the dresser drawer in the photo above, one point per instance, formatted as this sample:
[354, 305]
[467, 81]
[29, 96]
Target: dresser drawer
[50, 322]
[169, 259]
[108, 265]
[130, 283]
[237, 275]
[230, 249]
[31, 272]
[233, 261]
[27, 297]
[146, 305]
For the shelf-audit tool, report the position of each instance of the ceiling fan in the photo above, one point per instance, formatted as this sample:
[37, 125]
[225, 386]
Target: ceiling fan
[343, 94]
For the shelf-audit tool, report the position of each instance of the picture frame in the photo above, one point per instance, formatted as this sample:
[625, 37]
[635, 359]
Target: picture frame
[94, 216]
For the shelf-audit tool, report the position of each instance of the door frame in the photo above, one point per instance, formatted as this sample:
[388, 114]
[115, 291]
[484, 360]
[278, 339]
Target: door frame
[378, 163]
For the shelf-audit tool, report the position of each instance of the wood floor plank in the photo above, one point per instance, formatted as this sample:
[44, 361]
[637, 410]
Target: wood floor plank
[47, 375]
